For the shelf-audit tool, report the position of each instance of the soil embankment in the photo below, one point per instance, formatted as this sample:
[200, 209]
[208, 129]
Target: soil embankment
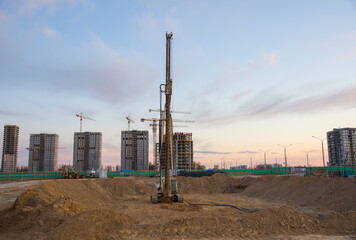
[120, 208]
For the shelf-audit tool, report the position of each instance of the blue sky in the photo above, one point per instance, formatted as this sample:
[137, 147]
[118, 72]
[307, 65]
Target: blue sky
[254, 74]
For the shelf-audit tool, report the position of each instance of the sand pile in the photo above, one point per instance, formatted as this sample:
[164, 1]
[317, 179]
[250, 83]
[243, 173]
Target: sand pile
[120, 208]
[217, 183]
[69, 195]
[324, 193]
[336, 194]
[281, 220]
[95, 224]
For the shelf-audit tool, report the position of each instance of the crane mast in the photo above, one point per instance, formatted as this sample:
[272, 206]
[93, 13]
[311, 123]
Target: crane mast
[81, 117]
[128, 165]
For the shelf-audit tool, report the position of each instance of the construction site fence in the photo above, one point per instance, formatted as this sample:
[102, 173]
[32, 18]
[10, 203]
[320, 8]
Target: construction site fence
[340, 171]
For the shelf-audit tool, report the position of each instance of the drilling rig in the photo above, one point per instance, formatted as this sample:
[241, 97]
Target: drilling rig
[167, 191]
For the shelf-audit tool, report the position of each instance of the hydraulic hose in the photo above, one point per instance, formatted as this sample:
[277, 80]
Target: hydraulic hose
[219, 205]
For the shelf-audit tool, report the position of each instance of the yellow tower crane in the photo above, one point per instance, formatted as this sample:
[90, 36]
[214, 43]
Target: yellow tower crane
[129, 120]
[35, 150]
[154, 126]
[81, 117]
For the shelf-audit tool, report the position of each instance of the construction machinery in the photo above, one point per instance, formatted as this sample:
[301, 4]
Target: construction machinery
[167, 189]
[69, 172]
[81, 117]
[91, 173]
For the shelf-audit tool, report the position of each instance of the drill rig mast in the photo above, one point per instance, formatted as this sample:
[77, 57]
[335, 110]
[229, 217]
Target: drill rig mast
[167, 192]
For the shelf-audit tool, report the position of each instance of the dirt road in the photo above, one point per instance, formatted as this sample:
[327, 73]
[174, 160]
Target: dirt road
[291, 208]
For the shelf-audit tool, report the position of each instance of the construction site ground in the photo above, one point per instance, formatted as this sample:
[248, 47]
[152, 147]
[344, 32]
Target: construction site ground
[291, 207]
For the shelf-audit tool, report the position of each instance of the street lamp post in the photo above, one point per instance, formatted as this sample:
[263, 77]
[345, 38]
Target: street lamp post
[264, 153]
[322, 148]
[285, 152]
[307, 152]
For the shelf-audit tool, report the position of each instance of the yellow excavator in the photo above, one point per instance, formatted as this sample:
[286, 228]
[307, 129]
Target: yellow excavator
[68, 172]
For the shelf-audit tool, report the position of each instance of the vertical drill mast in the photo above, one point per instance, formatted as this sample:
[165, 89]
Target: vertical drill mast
[168, 92]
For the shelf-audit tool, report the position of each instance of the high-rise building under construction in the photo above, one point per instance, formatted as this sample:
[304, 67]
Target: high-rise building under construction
[43, 153]
[182, 156]
[134, 150]
[87, 151]
[342, 146]
[9, 149]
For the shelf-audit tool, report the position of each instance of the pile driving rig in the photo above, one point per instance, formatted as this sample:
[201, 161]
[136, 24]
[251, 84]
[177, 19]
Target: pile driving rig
[167, 188]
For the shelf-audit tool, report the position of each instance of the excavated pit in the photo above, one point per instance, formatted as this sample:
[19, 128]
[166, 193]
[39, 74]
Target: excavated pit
[120, 208]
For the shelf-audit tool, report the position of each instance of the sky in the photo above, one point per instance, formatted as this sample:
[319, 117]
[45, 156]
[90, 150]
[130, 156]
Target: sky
[253, 74]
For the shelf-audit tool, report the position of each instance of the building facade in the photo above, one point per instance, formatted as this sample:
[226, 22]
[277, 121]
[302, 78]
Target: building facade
[342, 146]
[87, 151]
[43, 153]
[182, 151]
[9, 149]
[134, 150]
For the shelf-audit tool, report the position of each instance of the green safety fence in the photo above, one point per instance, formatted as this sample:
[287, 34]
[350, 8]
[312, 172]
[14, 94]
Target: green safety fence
[342, 171]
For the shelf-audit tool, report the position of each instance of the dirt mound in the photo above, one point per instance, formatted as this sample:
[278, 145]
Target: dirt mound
[71, 196]
[181, 207]
[217, 183]
[120, 208]
[340, 222]
[95, 224]
[323, 193]
[281, 220]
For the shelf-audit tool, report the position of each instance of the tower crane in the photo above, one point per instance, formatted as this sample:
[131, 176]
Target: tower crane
[129, 120]
[157, 110]
[154, 126]
[81, 117]
[35, 149]
[154, 131]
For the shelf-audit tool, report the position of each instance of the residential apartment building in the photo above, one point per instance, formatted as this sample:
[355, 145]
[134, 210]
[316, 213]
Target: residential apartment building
[342, 146]
[134, 150]
[9, 149]
[87, 151]
[43, 153]
[182, 151]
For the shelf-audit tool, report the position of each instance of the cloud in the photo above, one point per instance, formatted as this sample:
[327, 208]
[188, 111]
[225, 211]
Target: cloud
[152, 24]
[265, 104]
[248, 152]
[230, 77]
[91, 69]
[221, 82]
[211, 152]
[31, 6]
[16, 114]
[266, 60]
[3, 16]
[241, 93]
[269, 58]
[51, 33]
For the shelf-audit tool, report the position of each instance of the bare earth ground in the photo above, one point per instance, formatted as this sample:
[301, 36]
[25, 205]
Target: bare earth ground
[291, 208]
